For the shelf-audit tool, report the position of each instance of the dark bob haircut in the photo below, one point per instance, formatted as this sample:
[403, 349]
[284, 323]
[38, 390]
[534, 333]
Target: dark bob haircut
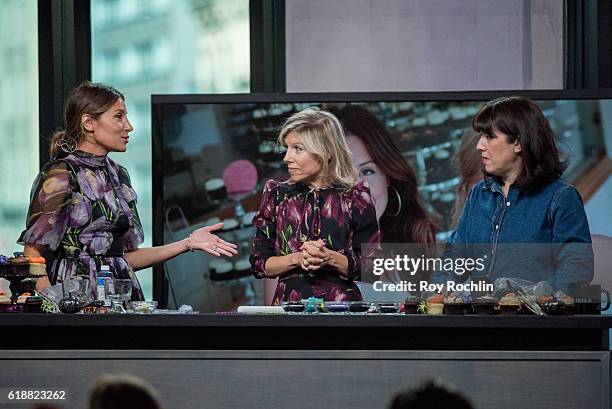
[521, 119]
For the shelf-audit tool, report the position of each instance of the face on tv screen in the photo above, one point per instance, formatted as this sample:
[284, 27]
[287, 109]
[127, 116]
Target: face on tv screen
[216, 158]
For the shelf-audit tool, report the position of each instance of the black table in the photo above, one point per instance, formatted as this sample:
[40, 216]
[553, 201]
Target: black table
[282, 332]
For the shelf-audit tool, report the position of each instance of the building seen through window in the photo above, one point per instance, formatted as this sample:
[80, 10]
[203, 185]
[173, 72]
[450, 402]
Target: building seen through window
[18, 116]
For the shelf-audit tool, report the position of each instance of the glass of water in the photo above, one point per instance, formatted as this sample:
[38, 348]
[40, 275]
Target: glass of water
[123, 294]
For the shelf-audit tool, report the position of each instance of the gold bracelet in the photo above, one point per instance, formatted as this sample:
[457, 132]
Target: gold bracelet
[189, 245]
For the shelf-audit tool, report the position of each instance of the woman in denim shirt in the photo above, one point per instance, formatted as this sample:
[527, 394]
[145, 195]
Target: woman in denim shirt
[522, 199]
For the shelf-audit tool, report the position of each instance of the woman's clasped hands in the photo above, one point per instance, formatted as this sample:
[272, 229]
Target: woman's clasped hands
[315, 255]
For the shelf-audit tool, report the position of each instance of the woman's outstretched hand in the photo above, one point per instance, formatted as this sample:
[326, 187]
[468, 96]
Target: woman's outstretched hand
[203, 239]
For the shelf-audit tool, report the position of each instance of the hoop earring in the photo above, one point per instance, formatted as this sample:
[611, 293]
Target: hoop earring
[68, 145]
[399, 201]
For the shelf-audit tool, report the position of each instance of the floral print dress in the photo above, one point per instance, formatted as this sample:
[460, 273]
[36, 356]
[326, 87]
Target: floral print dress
[292, 213]
[83, 208]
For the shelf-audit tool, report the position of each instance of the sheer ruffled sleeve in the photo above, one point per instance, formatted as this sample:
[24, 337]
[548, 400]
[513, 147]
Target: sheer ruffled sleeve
[135, 235]
[265, 233]
[50, 200]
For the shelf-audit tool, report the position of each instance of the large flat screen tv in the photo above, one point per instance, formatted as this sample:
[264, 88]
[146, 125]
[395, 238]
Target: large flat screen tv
[213, 153]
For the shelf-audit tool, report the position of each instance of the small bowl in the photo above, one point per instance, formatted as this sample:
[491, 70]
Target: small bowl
[337, 306]
[293, 306]
[388, 307]
[144, 307]
[359, 306]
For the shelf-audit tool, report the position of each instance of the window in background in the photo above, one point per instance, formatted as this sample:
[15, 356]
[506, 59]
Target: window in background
[424, 45]
[18, 116]
[166, 47]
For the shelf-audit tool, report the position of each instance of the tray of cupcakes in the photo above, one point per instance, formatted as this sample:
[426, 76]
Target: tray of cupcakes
[223, 270]
[506, 301]
[22, 272]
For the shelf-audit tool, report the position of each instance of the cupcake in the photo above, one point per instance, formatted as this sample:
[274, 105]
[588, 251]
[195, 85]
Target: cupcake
[38, 269]
[554, 307]
[437, 117]
[229, 224]
[23, 297]
[267, 151]
[484, 305]
[411, 304]
[419, 121]
[33, 304]
[215, 189]
[570, 305]
[544, 298]
[220, 266]
[530, 306]
[242, 267]
[247, 219]
[220, 270]
[5, 302]
[509, 304]
[19, 260]
[457, 304]
[435, 304]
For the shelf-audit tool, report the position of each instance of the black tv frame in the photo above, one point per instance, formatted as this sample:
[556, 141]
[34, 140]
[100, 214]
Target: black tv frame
[157, 100]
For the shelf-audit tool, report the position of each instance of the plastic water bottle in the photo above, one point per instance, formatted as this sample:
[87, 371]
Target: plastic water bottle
[105, 285]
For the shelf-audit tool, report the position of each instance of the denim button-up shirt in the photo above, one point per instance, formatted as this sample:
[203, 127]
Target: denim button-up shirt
[552, 216]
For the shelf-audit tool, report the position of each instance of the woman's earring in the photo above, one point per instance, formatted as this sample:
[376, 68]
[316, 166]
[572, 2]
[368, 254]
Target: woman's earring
[399, 201]
[68, 145]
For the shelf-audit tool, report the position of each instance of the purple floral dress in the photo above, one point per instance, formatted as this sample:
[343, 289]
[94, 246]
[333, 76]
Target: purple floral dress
[293, 213]
[83, 208]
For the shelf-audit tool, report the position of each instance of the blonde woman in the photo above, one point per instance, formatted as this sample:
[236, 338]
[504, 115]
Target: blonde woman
[310, 228]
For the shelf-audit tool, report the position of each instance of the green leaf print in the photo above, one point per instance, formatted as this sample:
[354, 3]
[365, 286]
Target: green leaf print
[71, 250]
[285, 237]
[267, 232]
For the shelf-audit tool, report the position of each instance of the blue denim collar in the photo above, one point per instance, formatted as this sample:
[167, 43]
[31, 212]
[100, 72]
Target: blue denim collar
[493, 184]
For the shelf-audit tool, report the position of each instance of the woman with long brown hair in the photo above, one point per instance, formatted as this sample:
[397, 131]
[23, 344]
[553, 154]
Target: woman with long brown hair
[83, 207]
[392, 181]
